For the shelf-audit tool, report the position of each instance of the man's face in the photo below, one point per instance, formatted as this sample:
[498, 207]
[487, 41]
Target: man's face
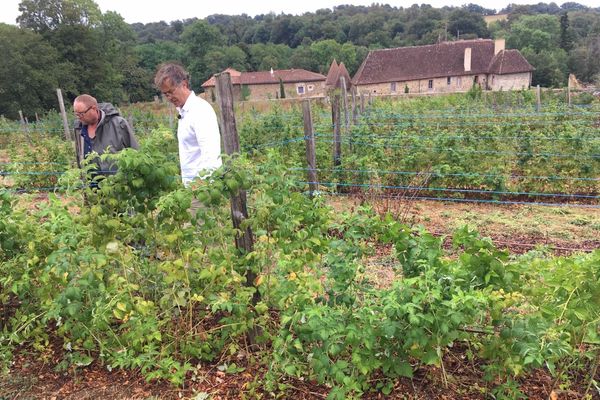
[176, 94]
[87, 114]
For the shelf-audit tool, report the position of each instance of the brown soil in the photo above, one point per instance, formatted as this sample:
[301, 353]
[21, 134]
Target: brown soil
[31, 378]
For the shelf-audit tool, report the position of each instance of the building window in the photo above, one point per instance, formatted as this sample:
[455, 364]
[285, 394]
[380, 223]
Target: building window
[430, 84]
[393, 87]
[300, 89]
[448, 81]
[310, 88]
[476, 79]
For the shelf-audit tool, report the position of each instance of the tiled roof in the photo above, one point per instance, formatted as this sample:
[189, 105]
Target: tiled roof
[431, 61]
[268, 77]
[509, 62]
[335, 72]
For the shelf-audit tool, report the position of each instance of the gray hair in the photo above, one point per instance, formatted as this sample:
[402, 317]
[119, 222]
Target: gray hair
[86, 99]
[173, 72]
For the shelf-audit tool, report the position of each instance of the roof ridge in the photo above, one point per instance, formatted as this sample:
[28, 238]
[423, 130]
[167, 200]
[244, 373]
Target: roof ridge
[448, 42]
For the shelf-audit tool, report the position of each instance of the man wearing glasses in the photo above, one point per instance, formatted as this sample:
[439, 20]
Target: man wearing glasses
[198, 128]
[100, 128]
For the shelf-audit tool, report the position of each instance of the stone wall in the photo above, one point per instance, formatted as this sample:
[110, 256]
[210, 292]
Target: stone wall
[510, 81]
[456, 84]
[272, 91]
[438, 85]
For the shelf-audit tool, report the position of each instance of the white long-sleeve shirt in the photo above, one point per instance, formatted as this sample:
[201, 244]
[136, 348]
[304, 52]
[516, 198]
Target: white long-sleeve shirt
[199, 138]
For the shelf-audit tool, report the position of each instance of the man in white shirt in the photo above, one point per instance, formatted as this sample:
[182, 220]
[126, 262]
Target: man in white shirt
[198, 128]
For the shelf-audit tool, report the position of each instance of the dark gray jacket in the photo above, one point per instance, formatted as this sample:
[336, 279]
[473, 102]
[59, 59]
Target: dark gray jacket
[113, 132]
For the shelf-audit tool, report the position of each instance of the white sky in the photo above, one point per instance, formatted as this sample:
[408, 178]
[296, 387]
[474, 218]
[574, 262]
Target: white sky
[154, 11]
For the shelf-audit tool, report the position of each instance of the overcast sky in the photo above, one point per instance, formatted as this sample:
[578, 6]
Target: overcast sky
[154, 11]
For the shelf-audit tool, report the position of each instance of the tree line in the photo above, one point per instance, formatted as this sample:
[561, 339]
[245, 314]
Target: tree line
[73, 45]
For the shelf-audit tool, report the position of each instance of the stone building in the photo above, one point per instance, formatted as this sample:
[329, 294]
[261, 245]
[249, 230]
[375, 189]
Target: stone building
[264, 85]
[443, 68]
[337, 71]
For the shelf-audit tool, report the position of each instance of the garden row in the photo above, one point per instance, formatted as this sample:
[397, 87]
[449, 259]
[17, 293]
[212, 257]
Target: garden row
[130, 280]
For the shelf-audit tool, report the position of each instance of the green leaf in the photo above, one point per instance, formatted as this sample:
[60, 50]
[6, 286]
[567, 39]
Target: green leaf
[404, 369]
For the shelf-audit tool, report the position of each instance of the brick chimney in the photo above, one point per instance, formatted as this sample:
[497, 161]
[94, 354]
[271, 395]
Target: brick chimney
[467, 59]
[499, 45]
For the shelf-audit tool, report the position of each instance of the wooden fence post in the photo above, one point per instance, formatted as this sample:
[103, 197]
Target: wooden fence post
[337, 139]
[354, 109]
[130, 122]
[63, 113]
[244, 242]
[538, 95]
[345, 104]
[309, 138]
[22, 120]
[362, 103]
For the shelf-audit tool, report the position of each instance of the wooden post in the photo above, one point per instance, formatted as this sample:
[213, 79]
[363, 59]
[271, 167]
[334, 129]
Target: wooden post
[309, 138]
[569, 93]
[337, 137]
[362, 103]
[345, 104]
[244, 242]
[370, 101]
[354, 110]
[24, 126]
[130, 122]
[63, 113]
[539, 98]
[37, 119]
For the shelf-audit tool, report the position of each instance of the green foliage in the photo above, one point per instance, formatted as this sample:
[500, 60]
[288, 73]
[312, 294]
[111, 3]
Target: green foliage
[245, 93]
[38, 162]
[281, 89]
[464, 22]
[475, 92]
[33, 70]
[47, 15]
[132, 281]
[115, 62]
[198, 39]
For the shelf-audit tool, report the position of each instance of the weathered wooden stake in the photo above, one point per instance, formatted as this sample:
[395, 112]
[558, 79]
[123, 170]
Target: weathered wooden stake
[539, 98]
[345, 104]
[231, 143]
[337, 137]
[24, 126]
[309, 138]
[362, 103]
[354, 110]
[63, 113]
[130, 122]
[569, 93]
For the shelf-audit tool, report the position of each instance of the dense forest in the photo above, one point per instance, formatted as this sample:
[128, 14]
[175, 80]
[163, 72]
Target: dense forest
[71, 44]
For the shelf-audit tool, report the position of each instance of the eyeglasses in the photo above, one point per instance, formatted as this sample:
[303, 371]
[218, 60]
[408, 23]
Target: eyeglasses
[82, 113]
[172, 90]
